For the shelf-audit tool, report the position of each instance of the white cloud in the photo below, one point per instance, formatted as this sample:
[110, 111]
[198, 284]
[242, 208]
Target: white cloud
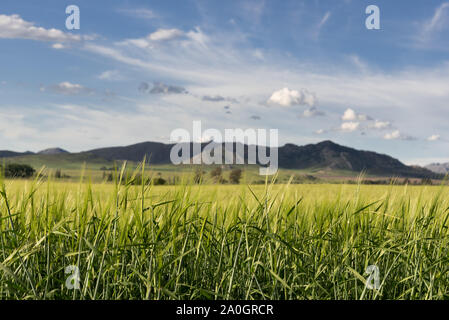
[349, 115]
[12, 126]
[393, 135]
[198, 36]
[142, 13]
[58, 46]
[350, 126]
[380, 125]
[434, 137]
[165, 34]
[111, 75]
[397, 135]
[287, 98]
[438, 20]
[431, 28]
[14, 27]
[312, 112]
[323, 21]
[68, 88]
[227, 67]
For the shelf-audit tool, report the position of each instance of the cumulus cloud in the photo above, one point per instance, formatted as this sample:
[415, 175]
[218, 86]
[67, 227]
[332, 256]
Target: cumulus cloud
[58, 46]
[320, 131]
[380, 125]
[161, 88]
[351, 115]
[287, 98]
[397, 135]
[68, 88]
[14, 27]
[312, 112]
[434, 137]
[232, 72]
[393, 135]
[350, 126]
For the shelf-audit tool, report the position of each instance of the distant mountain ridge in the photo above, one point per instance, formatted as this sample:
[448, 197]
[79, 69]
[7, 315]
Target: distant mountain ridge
[50, 151]
[325, 155]
[53, 151]
[441, 168]
[10, 154]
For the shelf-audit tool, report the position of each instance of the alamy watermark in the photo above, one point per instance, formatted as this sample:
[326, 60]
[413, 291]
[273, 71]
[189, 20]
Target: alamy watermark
[373, 281]
[372, 22]
[73, 281]
[256, 142]
[73, 20]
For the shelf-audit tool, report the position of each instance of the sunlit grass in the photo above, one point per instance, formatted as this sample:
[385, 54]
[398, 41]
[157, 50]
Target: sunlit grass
[222, 242]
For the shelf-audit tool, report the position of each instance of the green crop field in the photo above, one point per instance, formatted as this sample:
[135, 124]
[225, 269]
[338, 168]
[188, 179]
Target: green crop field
[272, 241]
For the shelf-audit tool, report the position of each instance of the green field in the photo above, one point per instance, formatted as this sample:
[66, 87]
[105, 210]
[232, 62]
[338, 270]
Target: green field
[74, 167]
[308, 241]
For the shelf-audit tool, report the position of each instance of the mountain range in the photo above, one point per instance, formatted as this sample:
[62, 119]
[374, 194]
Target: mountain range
[324, 155]
[442, 168]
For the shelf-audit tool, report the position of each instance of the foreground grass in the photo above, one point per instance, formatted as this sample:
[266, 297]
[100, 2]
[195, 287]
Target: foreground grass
[222, 242]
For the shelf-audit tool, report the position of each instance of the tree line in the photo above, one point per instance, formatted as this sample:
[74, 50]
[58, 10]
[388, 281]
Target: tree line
[15, 170]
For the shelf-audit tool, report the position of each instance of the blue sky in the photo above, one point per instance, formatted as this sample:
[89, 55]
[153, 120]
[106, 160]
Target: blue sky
[137, 70]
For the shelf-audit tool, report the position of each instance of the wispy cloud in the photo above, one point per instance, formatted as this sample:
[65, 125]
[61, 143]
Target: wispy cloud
[14, 27]
[161, 88]
[321, 24]
[67, 88]
[111, 75]
[434, 137]
[141, 13]
[433, 26]
[438, 20]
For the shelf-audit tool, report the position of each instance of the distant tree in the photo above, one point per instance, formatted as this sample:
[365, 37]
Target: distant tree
[137, 180]
[216, 174]
[58, 174]
[235, 176]
[159, 181]
[198, 177]
[426, 181]
[14, 170]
